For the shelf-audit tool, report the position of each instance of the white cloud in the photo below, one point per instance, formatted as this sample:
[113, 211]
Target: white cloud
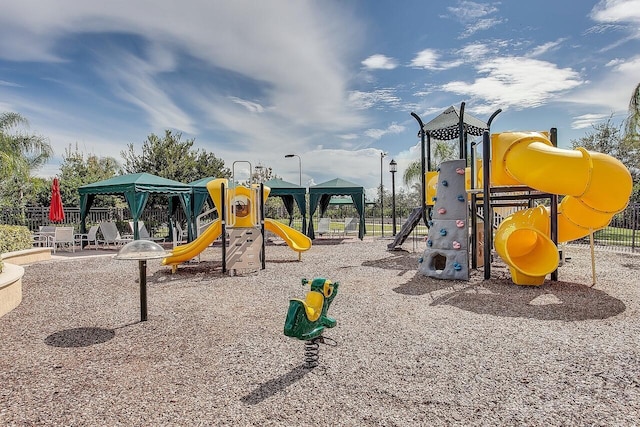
[253, 107]
[617, 15]
[474, 16]
[587, 120]
[546, 47]
[614, 62]
[379, 62]
[293, 69]
[393, 128]
[470, 11]
[481, 25]
[427, 59]
[364, 100]
[613, 91]
[474, 51]
[516, 82]
[8, 84]
[616, 11]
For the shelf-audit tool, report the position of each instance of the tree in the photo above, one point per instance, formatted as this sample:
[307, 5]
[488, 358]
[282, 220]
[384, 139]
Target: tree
[631, 141]
[262, 174]
[76, 171]
[442, 151]
[20, 155]
[608, 139]
[632, 123]
[172, 158]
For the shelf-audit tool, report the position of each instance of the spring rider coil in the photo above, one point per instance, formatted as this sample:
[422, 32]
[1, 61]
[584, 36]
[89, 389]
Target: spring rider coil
[307, 319]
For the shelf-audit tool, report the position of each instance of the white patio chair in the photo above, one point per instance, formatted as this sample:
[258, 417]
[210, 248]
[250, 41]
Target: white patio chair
[350, 225]
[178, 236]
[324, 226]
[90, 237]
[143, 233]
[110, 234]
[63, 237]
[43, 236]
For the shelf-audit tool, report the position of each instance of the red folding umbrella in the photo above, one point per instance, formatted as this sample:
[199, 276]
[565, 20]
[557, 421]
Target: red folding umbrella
[56, 212]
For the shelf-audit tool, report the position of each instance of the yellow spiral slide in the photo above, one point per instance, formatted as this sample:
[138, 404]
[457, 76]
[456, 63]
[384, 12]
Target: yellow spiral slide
[596, 186]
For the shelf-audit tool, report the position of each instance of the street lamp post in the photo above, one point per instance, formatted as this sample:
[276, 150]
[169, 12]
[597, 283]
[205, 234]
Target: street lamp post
[382, 155]
[288, 156]
[393, 168]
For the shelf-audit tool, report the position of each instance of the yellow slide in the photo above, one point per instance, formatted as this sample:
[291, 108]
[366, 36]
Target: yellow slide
[596, 187]
[295, 239]
[190, 250]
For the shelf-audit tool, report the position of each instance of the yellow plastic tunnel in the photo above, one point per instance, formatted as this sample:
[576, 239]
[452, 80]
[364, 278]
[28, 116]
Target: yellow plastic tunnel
[523, 243]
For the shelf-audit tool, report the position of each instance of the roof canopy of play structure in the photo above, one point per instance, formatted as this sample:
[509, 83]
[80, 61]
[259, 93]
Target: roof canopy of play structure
[321, 195]
[447, 125]
[136, 188]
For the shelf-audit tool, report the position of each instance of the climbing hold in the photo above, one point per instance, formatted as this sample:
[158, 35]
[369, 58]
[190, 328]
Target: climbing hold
[460, 171]
[430, 223]
[459, 223]
[442, 211]
[420, 260]
[429, 242]
[460, 198]
[434, 198]
[445, 183]
[457, 266]
[443, 232]
[456, 245]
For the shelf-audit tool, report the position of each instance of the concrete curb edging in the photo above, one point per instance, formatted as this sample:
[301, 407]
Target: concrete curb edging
[10, 287]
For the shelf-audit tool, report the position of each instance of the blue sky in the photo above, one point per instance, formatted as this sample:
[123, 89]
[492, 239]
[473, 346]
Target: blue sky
[331, 81]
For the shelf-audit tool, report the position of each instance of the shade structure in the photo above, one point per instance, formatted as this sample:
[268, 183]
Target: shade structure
[289, 193]
[56, 210]
[446, 126]
[136, 188]
[320, 195]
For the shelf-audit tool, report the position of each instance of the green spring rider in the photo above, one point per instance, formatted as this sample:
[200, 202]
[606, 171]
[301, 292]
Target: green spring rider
[307, 319]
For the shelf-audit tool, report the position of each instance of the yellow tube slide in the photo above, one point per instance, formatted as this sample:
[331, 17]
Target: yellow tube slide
[596, 187]
[295, 239]
[190, 250]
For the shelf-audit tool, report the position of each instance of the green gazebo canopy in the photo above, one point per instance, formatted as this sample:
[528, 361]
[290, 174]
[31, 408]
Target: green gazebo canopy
[289, 193]
[321, 195]
[136, 188]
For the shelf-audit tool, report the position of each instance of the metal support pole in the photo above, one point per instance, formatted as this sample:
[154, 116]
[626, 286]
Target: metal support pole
[393, 201]
[486, 203]
[142, 264]
[553, 135]
[461, 145]
[223, 219]
[264, 252]
[423, 196]
[382, 155]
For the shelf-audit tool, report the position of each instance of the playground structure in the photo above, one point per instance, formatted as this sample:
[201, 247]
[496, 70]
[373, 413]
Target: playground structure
[242, 222]
[516, 169]
[447, 251]
[306, 319]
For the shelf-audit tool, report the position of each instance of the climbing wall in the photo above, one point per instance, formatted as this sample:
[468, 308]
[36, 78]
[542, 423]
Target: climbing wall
[447, 253]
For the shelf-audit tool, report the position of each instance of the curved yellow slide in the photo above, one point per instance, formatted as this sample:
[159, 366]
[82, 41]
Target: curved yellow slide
[295, 239]
[190, 250]
[596, 186]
